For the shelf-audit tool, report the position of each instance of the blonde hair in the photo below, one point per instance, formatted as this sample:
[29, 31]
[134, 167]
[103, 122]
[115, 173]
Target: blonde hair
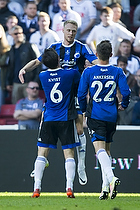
[71, 22]
[43, 14]
[4, 46]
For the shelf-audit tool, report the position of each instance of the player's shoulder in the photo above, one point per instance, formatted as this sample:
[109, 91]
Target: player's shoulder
[90, 69]
[56, 44]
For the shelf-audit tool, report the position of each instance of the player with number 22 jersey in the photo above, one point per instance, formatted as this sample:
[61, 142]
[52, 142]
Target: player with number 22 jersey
[102, 82]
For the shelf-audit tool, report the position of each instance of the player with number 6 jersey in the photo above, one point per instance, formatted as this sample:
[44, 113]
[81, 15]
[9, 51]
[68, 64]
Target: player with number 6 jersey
[59, 86]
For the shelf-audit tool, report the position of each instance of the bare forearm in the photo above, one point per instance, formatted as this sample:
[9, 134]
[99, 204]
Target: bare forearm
[27, 68]
[31, 114]
[31, 65]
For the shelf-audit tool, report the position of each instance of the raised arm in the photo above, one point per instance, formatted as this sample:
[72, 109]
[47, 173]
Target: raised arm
[27, 68]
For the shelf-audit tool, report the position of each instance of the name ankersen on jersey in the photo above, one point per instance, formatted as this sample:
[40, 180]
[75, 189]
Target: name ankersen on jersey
[103, 77]
[54, 79]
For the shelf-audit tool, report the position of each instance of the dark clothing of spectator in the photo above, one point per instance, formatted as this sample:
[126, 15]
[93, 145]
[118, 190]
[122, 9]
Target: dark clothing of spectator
[25, 54]
[4, 13]
[136, 114]
[26, 30]
[135, 92]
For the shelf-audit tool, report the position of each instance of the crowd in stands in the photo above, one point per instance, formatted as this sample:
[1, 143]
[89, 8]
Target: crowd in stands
[27, 27]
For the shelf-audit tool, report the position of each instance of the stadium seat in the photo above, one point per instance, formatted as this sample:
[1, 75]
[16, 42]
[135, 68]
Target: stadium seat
[42, 95]
[6, 114]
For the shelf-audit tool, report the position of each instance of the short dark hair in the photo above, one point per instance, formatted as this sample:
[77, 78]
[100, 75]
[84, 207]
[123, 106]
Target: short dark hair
[104, 50]
[122, 59]
[126, 41]
[50, 58]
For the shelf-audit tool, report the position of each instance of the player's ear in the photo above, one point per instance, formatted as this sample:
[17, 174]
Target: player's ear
[111, 54]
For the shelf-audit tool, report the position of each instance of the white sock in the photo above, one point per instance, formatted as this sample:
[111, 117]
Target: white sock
[70, 172]
[105, 183]
[39, 169]
[105, 164]
[81, 152]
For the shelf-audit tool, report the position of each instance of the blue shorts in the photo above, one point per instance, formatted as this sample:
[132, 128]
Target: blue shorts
[101, 130]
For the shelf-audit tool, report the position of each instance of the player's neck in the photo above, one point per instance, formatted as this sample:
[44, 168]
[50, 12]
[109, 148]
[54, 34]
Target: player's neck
[101, 62]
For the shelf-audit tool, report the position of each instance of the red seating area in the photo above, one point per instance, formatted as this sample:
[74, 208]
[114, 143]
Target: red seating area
[6, 114]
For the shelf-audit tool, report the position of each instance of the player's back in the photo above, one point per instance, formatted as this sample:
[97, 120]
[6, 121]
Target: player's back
[103, 81]
[59, 86]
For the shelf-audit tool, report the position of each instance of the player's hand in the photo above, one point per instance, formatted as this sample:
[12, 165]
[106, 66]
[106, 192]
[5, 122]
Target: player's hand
[21, 73]
[120, 107]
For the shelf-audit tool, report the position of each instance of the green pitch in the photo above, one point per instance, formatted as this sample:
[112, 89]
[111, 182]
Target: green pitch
[59, 201]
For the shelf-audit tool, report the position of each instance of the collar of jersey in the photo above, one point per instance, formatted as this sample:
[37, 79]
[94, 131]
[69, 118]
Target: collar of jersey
[103, 65]
[68, 45]
[53, 69]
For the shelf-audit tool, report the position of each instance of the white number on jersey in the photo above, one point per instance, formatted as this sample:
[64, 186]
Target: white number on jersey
[55, 91]
[99, 89]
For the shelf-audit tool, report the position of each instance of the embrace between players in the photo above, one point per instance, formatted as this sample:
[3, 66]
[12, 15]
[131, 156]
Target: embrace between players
[61, 82]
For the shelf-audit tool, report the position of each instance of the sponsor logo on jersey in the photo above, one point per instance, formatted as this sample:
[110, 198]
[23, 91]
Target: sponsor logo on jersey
[53, 74]
[104, 69]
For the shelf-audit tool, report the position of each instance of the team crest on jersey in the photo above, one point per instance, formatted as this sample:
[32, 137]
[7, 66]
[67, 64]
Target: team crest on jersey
[35, 105]
[77, 55]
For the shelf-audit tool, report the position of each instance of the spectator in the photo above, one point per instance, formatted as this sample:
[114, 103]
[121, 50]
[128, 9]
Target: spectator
[136, 16]
[99, 6]
[4, 50]
[29, 22]
[44, 37]
[125, 50]
[42, 5]
[122, 63]
[21, 53]
[117, 12]
[125, 12]
[4, 12]
[53, 8]
[22, 2]
[136, 44]
[28, 110]
[108, 30]
[136, 113]
[87, 11]
[125, 117]
[16, 8]
[136, 89]
[64, 14]
[10, 23]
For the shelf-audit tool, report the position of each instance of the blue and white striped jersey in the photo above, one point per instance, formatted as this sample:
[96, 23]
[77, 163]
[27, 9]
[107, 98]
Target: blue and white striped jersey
[60, 87]
[102, 82]
[74, 55]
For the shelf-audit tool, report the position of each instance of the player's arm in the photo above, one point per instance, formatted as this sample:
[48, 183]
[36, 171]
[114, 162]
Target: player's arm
[124, 89]
[28, 67]
[82, 91]
[94, 62]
